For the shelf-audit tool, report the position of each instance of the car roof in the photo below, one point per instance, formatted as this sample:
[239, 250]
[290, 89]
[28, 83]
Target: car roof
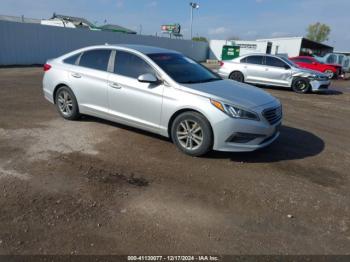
[145, 49]
[260, 54]
[304, 56]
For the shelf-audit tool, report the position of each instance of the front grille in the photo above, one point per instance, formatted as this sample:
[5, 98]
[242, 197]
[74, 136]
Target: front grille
[273, 115]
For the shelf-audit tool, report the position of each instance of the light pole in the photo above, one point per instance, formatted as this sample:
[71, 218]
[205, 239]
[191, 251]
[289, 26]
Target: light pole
[193, 6]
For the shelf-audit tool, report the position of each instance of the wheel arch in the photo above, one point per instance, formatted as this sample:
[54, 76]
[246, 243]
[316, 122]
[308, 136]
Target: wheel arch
[237, 71]
[58, 86]
[295, 78]
[181, 111]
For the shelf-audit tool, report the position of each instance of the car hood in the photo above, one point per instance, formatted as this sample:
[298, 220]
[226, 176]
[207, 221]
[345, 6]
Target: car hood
[303, 72]
[233, 92]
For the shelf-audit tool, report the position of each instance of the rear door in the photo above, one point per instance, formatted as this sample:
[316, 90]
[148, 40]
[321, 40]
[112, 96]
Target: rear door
[88, 80]
[277, 72]
[254, 68]
[138, 104]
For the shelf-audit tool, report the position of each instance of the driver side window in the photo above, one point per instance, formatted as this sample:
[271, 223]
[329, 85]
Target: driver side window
[275, 62]
[130, 65]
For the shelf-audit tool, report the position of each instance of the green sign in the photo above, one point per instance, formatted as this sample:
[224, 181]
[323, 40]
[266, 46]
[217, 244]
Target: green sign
[230, 52]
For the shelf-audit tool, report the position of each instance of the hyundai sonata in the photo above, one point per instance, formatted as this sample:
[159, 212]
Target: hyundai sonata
[164, 92]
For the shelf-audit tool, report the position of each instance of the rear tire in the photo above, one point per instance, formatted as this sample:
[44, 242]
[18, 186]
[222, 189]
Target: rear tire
[66, 103]
[192, 134]
[237, 76]
[301, 85]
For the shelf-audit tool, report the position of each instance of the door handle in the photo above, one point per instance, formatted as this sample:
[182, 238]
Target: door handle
[266, 69]
[76, 75]
[115, 85]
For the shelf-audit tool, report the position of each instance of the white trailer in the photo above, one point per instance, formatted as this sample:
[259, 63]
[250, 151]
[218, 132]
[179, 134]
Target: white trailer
[246, 47]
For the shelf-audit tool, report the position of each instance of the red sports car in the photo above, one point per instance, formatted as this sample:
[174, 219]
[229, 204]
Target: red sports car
[333, 71]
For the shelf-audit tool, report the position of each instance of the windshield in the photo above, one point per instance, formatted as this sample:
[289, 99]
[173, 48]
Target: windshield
[183, 69]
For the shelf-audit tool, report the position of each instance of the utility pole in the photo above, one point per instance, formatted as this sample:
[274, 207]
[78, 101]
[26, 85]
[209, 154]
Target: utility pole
[193, 6]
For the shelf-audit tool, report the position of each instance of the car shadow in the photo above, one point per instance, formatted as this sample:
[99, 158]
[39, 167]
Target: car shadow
[330, 92]
[292, 144]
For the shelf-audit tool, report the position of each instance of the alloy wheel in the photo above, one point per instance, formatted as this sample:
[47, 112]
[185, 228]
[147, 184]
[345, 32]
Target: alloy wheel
[329, 73]
[301, 85]
[237, 76]
[189, 134]
[65, 103]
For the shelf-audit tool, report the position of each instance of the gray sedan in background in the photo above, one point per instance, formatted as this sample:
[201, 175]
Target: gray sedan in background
[274, 71]
[163, 92]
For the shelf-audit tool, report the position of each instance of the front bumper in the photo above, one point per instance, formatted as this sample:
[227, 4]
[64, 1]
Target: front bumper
[242, 135]
[317, 85]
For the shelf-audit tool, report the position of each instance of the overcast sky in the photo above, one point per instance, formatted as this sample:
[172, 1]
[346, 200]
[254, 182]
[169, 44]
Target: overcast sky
[215, 19]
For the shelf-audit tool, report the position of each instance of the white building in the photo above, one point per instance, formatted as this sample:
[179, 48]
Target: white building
[295, 46]
[288, 46]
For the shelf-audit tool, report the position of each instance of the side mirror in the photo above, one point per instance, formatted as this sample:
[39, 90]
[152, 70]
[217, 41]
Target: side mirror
[148, 78]
[286, 67]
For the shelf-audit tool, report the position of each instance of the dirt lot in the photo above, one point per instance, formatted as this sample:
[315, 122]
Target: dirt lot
[94, 187]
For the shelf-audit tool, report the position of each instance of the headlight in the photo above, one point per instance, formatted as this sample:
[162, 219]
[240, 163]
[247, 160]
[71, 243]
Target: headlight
[315, 77]
[234, 111]
[312, 76]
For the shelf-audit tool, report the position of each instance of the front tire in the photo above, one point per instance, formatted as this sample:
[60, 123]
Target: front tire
[301, 85]
[66, 103]
[237, 76]
[192, 134]
[330, 74]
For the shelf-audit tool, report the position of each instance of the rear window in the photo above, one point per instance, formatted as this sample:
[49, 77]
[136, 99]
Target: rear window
[254, 59]
[72, 60]
[95, 59]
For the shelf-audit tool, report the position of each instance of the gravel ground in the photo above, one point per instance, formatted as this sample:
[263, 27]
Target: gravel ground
[95, 187]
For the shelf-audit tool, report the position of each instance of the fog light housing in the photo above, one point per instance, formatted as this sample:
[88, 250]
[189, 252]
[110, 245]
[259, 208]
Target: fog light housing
[242, 138]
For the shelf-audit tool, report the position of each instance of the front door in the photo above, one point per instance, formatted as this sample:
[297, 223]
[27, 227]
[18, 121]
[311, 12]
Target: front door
[130, 101]
[277, 72]
[254, 67]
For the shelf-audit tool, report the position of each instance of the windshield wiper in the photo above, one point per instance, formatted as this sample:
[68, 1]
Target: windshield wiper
[190, 82]
[211, 79]
[201, 81]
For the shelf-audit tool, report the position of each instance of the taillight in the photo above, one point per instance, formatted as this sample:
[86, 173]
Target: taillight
[221, 63]
[47, 67]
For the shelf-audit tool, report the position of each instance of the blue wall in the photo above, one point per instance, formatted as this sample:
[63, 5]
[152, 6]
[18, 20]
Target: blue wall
[27, 44]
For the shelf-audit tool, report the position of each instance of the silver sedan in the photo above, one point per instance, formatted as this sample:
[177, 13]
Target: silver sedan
[163, 92]
[264, 69]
